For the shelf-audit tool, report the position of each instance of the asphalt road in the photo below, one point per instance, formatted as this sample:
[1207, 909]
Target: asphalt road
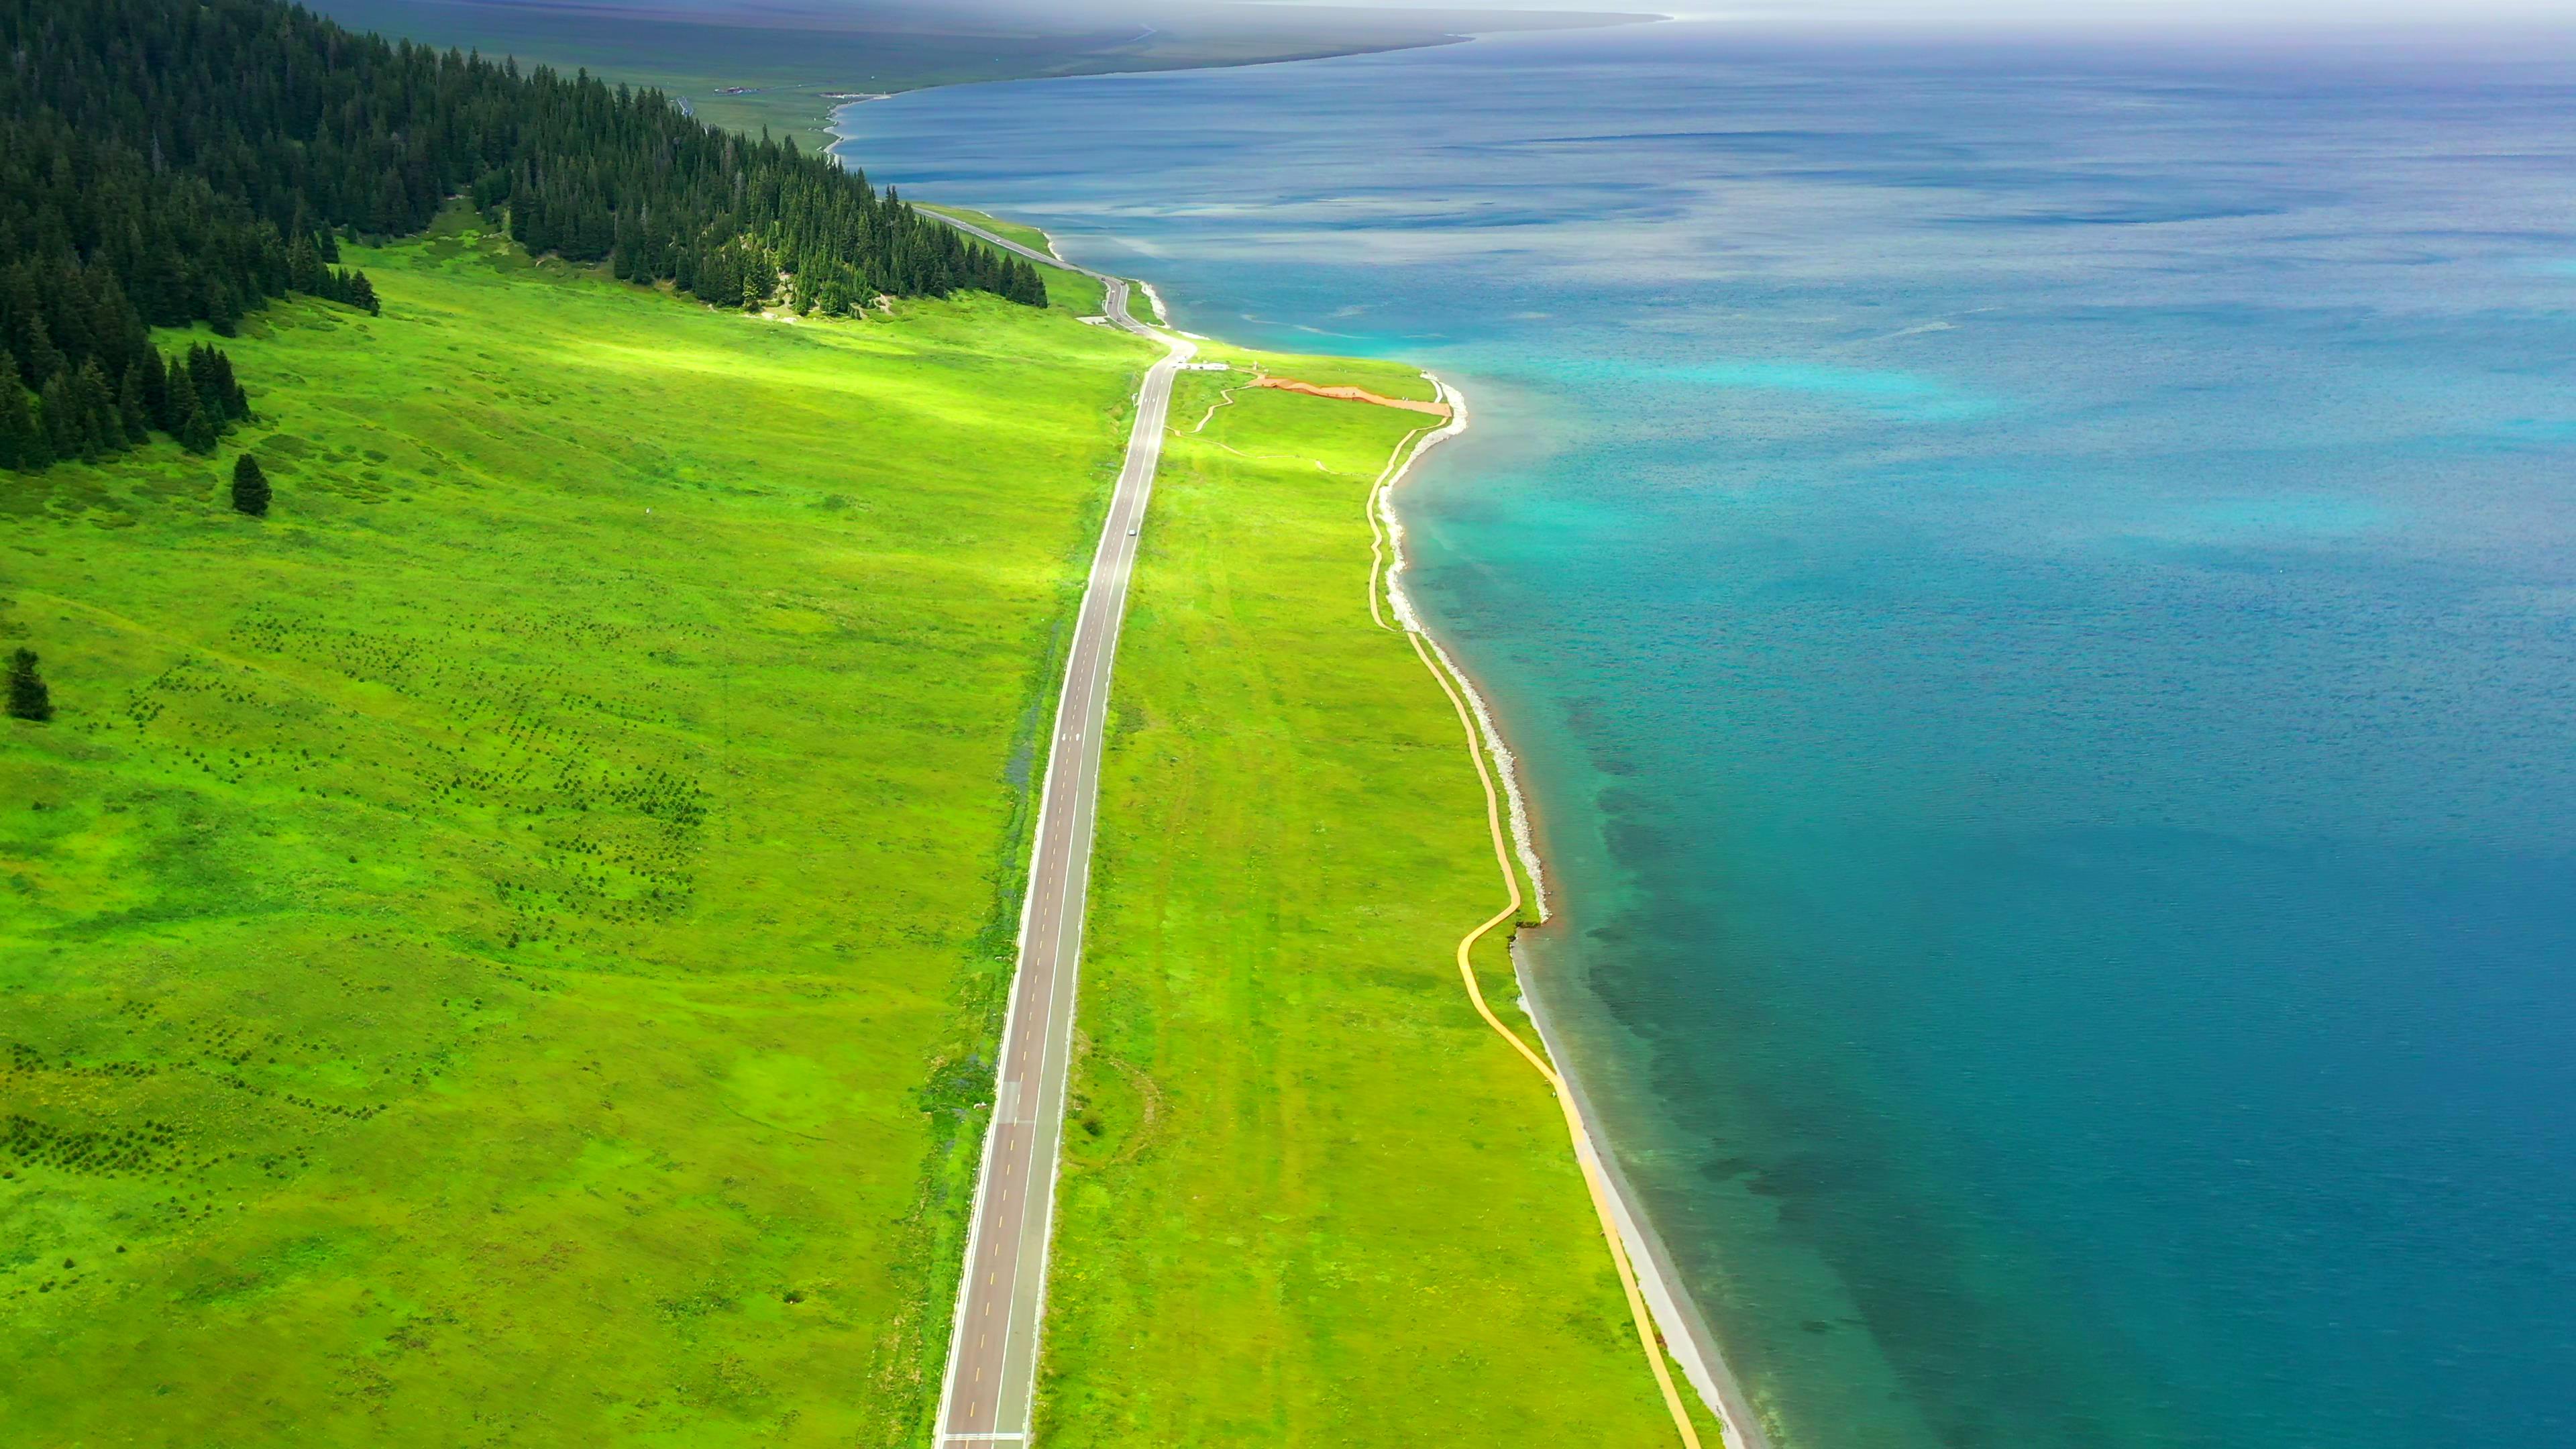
[993, 1352]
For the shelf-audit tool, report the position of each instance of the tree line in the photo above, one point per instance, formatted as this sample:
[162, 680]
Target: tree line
[99, 407]
[164, 162]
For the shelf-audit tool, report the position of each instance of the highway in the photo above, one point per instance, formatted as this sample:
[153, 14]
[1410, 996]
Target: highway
[986, 1394]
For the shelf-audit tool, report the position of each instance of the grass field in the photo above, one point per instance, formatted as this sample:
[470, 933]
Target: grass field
[497, 953]
[1032, 237]
[1076, 292]
[1311, 1199]
[501, 951]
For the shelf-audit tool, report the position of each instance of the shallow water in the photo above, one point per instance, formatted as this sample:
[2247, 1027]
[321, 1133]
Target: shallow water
[2033, 590]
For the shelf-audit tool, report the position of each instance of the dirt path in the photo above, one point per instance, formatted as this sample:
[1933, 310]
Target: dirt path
[1594, 1180]
[1353, 394]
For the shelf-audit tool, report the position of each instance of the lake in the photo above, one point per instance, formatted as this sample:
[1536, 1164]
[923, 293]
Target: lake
[2034, 589]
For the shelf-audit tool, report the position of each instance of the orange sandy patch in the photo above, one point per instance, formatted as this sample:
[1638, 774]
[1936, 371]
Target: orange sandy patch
[1353, 394]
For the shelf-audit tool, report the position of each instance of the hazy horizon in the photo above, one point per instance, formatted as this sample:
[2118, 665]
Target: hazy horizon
[1896, 16]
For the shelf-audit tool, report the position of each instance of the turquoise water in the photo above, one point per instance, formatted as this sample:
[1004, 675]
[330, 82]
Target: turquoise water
[2035, 589]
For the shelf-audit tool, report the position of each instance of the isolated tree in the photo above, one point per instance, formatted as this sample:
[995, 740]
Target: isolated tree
[28, 698]
[250, 487]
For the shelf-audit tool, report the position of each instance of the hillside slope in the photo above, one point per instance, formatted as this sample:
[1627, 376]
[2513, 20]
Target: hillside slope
[496, 950]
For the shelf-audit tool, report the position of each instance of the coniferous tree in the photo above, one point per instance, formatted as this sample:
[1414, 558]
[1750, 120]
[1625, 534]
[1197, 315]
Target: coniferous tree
[304, 268]
[196, 431]
[28, 697]
[171, 161]
[156, 388]
[34, 342]
[214, 399]
[132, 408]
[250, 487]
[62, 417]
[102, 428]
[22, 434]
[228, 390]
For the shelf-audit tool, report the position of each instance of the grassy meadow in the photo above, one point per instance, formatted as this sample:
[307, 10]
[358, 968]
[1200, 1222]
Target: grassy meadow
[1032, 237]
[499, 951]
[1076, 292]
[1310, 1199]
[502, 951]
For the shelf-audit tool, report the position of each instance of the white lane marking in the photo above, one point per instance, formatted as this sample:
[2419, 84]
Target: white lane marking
[1097, 632]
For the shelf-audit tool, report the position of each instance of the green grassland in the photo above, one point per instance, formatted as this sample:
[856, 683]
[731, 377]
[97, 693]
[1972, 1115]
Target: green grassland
[1034, 238]
[1076, 292]
[497, 952]
[502, 951]
[1310, 1198]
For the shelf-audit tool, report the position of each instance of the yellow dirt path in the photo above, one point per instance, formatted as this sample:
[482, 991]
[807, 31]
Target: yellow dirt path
[1352, 394]
[1593, 1180]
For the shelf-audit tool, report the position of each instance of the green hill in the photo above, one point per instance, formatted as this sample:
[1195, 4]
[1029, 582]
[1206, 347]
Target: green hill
[497, 949]
[514, 813]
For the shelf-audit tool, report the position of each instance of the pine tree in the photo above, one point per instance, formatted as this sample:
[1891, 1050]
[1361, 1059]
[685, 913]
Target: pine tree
[250, 487]
[223, 309]
[304, 266]
[28, 697]
[102, 428]
[228, 391]
[144, 183]
[196, 432]
[22, 437]
[63, 418]
[156, 390]
[42, 361]
[209, 388]
[131, 407]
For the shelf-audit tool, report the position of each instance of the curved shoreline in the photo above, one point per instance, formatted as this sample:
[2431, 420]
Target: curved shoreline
[1678, 1319]
[1678, 1322]
[1382, 512]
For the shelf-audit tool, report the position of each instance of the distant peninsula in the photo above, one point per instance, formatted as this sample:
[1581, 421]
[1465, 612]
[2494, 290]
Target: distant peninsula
[784, 65]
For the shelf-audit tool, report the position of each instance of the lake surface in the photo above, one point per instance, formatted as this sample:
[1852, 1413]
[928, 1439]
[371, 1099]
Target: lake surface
[2035, 591]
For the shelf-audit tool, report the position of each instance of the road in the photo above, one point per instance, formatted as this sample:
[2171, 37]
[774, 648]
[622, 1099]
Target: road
[1042, 258]
[993, 1351]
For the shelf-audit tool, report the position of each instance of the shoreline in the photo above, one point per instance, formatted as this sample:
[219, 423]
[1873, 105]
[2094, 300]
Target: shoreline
[1687, 1335]
[1678, 1321]
[1678, 1318]
[1382, 507]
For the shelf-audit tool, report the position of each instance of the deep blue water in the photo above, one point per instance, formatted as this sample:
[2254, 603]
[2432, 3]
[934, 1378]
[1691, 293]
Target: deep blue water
[2035, 588]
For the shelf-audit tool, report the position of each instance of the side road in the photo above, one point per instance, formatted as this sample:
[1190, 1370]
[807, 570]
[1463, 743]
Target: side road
[986, 1395]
